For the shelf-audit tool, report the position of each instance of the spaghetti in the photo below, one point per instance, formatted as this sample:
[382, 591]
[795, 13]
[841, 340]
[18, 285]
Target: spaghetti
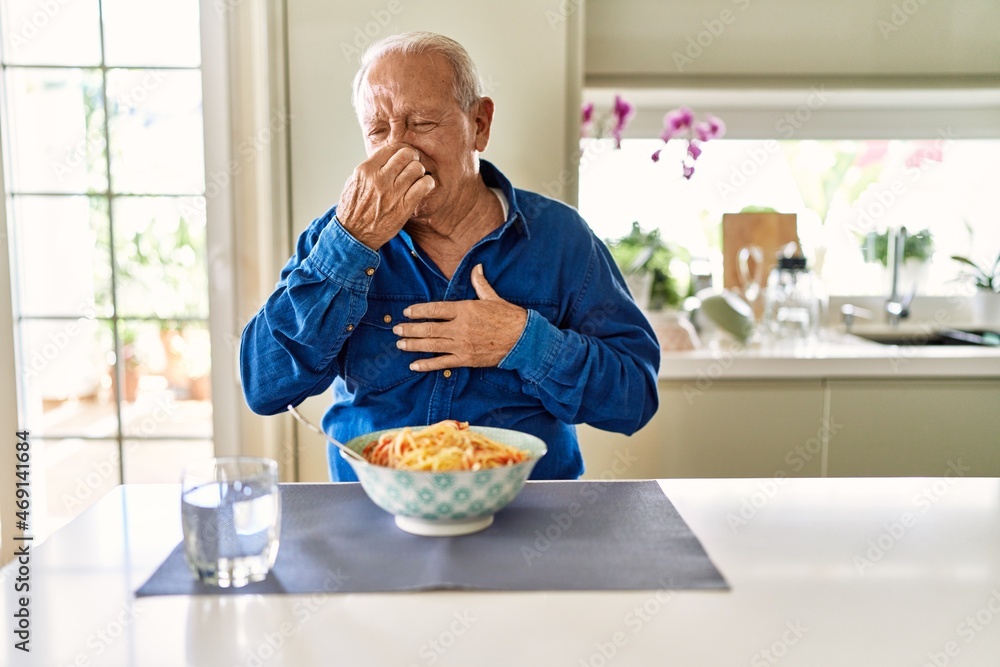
[447, 445]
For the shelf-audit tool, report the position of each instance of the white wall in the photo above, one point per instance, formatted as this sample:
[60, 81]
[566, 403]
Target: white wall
[523, 57]
[528, 55]
[856, 39]
[864, 69]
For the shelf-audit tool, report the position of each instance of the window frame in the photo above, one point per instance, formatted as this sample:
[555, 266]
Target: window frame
[820, 109]
[220, 255]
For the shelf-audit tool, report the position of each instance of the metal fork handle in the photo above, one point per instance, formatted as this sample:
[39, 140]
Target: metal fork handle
[318, 431]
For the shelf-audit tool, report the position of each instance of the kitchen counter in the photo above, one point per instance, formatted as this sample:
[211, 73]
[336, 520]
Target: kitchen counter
[834, 355]
[839, 355]
[823, 572]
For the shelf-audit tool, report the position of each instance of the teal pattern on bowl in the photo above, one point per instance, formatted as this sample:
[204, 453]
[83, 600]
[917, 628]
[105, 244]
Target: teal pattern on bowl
[445, 497]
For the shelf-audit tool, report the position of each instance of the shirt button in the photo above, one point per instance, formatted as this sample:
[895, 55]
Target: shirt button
[350, 327]
[387, 318]
[413, 252]
[370, 271]
[446, 373]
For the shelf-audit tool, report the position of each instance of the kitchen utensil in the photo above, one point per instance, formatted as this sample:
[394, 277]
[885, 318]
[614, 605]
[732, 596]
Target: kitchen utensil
[792, 300]
[768, 231]
[347, 451]
[729, 312]
[751, 279]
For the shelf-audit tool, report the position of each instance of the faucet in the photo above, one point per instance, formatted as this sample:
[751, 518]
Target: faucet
[849, 312]
[897, 307]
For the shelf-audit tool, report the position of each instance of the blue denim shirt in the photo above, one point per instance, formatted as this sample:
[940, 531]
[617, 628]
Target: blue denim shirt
[586, 355]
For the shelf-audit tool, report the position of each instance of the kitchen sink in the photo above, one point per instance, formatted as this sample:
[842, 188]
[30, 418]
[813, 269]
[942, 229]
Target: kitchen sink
[984, 337]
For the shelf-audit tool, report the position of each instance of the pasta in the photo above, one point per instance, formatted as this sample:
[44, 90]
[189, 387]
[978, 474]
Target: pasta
[447, 445]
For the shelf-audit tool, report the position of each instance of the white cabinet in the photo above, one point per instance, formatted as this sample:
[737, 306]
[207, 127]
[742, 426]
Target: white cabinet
[808, 428]
[914, 427]
[733, 428]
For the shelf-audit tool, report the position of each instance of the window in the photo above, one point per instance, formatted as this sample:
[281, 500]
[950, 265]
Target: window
[847, 174]
[104, 160]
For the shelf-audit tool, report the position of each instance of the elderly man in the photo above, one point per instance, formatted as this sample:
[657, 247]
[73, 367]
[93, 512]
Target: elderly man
[435, 290]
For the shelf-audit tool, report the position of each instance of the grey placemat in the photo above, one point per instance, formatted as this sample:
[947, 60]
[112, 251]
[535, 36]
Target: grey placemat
[553, 536]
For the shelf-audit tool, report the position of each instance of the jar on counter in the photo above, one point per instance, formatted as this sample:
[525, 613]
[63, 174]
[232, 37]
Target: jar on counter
[793, 301]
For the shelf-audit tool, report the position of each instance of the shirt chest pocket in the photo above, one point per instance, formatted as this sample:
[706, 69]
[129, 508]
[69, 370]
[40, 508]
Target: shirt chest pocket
[372, 358]
[510, 380]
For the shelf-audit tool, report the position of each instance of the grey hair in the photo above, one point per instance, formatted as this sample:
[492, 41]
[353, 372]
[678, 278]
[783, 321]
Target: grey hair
[466, 83]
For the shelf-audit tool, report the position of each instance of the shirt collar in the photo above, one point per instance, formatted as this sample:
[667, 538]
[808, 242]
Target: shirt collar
[493, 178]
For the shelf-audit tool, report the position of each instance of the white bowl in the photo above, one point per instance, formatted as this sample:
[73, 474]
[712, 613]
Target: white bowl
[446, 503]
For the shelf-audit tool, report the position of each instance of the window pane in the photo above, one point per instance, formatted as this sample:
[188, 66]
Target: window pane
[160, 250]
[67, 377]
[71, 276]
[63, 32]
[70, 475]
[156, 131]
[841, 192]
[57, 140]
[151, 33]
[159, 461]
[169, 393]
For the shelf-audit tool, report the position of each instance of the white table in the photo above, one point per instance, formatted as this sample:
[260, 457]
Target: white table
[926, 592]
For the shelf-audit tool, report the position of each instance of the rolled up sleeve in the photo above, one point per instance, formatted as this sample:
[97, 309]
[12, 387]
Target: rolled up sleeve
[289, 348]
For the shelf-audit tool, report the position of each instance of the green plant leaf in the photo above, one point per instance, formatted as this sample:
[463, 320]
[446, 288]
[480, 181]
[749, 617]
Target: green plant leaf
[966, 260]
[918, 246]
[645, 252]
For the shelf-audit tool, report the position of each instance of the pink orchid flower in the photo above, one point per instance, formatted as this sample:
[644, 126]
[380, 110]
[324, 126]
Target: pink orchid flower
[694, 149]
[680, 124]
[623, 112]
[710, 128]
[676, 123]
[586, 118]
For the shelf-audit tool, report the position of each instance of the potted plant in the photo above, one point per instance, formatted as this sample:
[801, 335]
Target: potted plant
[986, 301]
[918, 247]
[918, 250]
[133, 366]
[644, 259]
[166, 259]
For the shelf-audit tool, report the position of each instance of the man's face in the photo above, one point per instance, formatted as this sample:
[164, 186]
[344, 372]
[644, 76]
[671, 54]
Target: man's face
[411, 100]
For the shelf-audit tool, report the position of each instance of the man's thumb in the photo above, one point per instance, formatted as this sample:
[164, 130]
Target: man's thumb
[483, 289]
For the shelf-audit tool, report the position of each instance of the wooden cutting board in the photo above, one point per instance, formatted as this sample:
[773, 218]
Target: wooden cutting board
[769, 231]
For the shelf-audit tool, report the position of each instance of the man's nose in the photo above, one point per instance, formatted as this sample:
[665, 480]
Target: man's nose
[400, 134]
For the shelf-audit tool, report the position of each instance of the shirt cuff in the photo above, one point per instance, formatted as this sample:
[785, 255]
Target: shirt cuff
[342, 258]
[535, 351]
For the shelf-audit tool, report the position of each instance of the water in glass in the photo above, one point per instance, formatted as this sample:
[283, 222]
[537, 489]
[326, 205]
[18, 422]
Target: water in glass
[231, 521]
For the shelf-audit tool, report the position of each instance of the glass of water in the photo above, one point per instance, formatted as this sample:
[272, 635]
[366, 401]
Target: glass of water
[231, 515]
